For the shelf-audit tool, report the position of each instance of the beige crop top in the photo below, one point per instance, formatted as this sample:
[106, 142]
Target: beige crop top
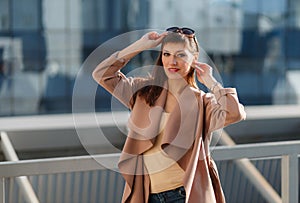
[165, 174]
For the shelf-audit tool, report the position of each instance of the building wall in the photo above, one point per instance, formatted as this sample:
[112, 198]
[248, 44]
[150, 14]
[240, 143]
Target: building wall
[43, 44]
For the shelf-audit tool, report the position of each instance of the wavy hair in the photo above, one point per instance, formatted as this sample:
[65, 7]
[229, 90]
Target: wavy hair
[152, 91]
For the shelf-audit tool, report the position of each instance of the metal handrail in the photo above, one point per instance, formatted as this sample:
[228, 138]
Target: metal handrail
[93, 162]
[252, 173]
[257, 150]
[22, 181]
[288, 150]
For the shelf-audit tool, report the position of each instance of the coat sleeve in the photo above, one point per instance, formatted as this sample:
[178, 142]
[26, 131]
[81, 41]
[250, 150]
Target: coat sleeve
[109, 76]
[222, 108]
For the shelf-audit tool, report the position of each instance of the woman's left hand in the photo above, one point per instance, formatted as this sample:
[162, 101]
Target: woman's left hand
[204, 73]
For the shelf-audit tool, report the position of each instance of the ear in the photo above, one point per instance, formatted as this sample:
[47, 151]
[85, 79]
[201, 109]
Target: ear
[196, 56]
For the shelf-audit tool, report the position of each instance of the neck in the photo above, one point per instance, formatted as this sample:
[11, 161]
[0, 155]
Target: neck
[175, 86]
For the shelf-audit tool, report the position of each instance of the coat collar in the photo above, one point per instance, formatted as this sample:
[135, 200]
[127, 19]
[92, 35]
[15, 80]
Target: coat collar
[144, 120]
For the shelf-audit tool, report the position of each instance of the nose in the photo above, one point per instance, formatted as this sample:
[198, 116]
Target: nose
[173, 60]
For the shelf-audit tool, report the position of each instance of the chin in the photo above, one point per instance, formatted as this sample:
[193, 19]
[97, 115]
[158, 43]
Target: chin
[175, 77]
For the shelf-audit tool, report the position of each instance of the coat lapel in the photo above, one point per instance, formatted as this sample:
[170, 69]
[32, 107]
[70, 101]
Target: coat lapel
[145, 127]
[179, 134]
[141, 136]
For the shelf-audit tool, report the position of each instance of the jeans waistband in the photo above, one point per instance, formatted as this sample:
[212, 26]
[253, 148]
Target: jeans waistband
[170, 193]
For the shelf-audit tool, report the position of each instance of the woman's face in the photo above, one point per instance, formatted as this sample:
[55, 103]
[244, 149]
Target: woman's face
[177, 60]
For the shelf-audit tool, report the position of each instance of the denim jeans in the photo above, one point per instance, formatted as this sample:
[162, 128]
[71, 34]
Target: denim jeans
[171, 196]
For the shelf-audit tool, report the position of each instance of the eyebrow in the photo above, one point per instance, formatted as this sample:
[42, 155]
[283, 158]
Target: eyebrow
[175, 52]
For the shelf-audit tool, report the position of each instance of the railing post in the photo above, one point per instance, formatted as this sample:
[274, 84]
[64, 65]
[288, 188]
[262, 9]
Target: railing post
[289, 178]
[2, 190]
[252, 173]
[24, 183]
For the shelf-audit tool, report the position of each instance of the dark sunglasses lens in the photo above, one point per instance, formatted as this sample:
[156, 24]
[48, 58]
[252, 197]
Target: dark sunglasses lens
[173, 29]
[187, 31]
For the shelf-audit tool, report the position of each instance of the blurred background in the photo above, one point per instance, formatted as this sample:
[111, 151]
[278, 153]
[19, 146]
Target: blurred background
[255, 45]
[43, 43]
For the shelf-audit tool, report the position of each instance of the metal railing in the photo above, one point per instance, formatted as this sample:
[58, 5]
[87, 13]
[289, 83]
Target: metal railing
[22, 181]
[252, 173]
[288, 151]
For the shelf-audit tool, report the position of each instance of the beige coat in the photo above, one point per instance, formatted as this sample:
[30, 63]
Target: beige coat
[187, 133]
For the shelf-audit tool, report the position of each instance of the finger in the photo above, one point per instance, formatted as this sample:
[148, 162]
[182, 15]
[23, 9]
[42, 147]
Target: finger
[201, 64]
[198, 68]
[164, 34]
[153, 35]
[199, 76]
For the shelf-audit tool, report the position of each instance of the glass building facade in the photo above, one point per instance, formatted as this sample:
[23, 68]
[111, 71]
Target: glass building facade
[43, 43]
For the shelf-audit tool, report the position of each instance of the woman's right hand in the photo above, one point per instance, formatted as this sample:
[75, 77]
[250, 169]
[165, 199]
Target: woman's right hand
[152, 39]
[147, 41]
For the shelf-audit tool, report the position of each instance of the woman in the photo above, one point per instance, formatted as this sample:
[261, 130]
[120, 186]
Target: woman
[166, 154]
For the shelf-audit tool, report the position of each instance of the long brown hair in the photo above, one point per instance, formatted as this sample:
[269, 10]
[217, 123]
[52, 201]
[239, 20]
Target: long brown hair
[156, 82]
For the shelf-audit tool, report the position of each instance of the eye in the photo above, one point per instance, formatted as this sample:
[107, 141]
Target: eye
[166, 54]
[181, 55]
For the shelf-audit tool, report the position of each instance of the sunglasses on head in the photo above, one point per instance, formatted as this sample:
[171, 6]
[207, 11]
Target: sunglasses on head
[186, 31]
